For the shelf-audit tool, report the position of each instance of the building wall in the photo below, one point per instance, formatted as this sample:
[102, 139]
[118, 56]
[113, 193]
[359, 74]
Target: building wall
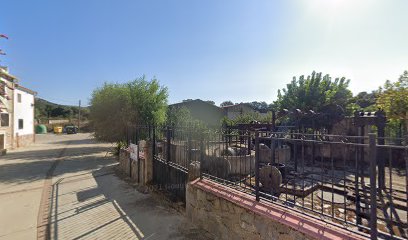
[237, 110]
[7, 130]
[23, 110]
[203, 111]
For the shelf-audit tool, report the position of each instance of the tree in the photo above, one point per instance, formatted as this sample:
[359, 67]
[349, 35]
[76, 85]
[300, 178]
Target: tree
[393, 99]
[59, 112]
[180, 117]
[114, 107]
[226, 103]
[318, 93]
[259, 106]
[366, 101]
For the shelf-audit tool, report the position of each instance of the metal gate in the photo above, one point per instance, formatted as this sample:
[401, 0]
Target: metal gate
[170, 162]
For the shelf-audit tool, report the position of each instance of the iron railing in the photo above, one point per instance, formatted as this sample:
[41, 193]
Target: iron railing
[356, 182]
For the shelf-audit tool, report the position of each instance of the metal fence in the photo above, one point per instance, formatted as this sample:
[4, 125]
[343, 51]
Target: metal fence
[357, 183]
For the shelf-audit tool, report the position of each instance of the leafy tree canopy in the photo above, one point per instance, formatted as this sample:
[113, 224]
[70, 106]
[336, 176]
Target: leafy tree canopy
[226, 103]
[115, 106]
[318, 93]
[180, 117]
[393, 99]
[365, 100]
[247, 118]
[262, 107]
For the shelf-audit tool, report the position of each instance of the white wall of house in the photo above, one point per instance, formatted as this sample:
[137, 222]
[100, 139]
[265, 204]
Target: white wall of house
[24, 111]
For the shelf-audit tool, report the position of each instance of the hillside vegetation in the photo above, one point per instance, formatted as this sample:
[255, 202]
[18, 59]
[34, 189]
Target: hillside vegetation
[45, 110]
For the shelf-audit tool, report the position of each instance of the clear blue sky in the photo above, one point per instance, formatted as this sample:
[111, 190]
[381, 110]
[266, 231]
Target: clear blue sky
[213, 50]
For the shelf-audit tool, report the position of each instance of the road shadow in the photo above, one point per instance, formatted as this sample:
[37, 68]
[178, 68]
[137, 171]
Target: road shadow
[154, 215]
[34, 164]
[118, 208]
[86, 141]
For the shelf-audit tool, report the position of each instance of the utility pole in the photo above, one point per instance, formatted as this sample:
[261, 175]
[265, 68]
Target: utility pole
[79, 115]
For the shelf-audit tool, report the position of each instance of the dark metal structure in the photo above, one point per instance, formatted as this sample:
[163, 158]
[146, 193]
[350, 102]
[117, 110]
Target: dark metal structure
[328, 177]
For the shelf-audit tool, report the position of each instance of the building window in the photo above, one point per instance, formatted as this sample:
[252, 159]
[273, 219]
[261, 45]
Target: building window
[19, 97]
[4, 120]
[20, 123]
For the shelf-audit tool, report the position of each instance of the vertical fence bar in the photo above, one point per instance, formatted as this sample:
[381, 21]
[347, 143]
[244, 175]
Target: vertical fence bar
[321, 176]
[406, 170]
[273, 160]
[390, 185]
[166, 165]
[201, 156]
[373, 186]
[154, 140]
[138, 129]
[168, 144]
[381, 157]
[257, 165]
[295, 153]
[155, 168]
[129, 142]
[345, 151]
[303, 169]
[332, 177]
[313, 164]
[356, 181]
[249, 142]
[273, 157]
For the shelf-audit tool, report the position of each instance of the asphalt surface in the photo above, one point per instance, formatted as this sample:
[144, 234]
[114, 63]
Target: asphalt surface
[65, 187]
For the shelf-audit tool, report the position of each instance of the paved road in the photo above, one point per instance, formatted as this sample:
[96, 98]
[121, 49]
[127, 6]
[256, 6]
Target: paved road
[68, 183]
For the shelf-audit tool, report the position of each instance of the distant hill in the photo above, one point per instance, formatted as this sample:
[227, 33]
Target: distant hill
[45, 110]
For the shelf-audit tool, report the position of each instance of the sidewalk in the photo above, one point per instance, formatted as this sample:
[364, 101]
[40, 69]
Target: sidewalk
[101, 206]
[86, 200]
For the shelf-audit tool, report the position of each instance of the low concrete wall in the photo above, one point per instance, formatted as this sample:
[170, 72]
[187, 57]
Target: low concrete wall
[230, 214]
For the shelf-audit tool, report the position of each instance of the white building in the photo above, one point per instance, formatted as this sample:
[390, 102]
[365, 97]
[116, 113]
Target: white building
[16, 112]
[23, 116]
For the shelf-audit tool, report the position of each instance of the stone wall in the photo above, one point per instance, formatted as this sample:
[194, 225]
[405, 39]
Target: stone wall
[8, 137]
[130, 167]
[229, 214]
[24, 140]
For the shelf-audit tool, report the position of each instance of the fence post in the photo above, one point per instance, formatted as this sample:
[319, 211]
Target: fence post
[372, 151]
[189, 146]
[168, 144]
[129, 130]
[381, 157]
[249, 142]
[273, 157]
[152, 165]
[201, 156]
[406, 166]
[154, 140]
[257, 165]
